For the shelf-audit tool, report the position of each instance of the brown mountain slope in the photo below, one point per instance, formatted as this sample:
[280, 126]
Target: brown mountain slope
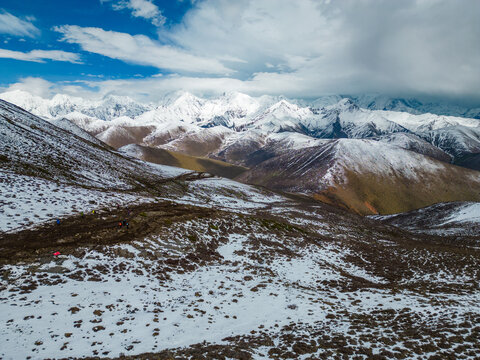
[172, 158]
[367, 177]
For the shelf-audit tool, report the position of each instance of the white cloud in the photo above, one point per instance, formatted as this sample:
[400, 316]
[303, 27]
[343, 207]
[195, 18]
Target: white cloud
[152, 89]
[149, 89]
[41, 55]
[140, 8]
[35, 86]
[139, 49]
[12, 25]
[315, 47]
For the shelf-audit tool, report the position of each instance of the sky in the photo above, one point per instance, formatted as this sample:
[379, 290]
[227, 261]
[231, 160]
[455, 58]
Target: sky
[299, 49]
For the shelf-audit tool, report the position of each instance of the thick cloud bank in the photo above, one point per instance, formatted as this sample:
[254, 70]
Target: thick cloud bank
[302, 49]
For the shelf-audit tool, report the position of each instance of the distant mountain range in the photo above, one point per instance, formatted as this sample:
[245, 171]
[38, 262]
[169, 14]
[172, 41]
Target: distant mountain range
[60, 105]
[414, 106]
[355, 152]
[112, 106]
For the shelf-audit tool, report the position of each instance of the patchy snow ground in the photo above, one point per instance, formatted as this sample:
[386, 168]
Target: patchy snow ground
[227, 194]
[468, 213]
[207, 304]
[123, 308]
[27, 201]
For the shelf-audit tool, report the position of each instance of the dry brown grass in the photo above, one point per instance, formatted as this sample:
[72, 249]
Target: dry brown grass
[368, 194]
[172, 158]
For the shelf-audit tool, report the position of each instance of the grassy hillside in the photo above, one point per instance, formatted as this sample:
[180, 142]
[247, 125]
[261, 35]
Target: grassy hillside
[367, 177]
[172, 158]
[368, 194]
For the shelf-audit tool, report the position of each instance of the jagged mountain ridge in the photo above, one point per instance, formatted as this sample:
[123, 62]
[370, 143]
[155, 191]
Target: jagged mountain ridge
[181, 122]
[61, 105]
[181, 117]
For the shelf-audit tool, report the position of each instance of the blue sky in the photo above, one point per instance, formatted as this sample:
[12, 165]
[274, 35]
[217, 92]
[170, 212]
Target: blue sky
[84, 13]
[303, 48]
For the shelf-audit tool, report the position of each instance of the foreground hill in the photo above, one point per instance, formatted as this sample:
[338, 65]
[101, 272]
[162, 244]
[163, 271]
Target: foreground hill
[34, 147]
[48, 171]
[208, 267]
[366, 176]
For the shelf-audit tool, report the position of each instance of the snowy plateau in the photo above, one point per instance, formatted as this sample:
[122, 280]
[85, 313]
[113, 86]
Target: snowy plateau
[212, 268]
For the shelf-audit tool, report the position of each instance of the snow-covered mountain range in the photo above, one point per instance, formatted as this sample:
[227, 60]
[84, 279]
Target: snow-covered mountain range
[269, 134]
[236, 122]
[60, 105]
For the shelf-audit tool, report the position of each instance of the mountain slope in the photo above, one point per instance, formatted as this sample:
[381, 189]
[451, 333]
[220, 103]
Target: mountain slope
[366, 176]
[47, 171]
[414, 143]
[461, 142]
[71, 159]
[171, 158]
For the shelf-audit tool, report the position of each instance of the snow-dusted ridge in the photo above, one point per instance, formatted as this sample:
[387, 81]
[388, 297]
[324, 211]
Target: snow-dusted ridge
[454, 218]
[61, 105]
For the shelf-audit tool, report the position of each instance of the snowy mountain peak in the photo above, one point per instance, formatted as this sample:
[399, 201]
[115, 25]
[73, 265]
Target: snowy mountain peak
[178, 98]
[117, 99]
[346, 104]
[235, 96]
[187, 98]
[22, 98]
[284, 109]
[64, 99]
